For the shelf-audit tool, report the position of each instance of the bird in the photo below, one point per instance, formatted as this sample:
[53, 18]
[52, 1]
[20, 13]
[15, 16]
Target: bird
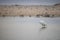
[43, 24]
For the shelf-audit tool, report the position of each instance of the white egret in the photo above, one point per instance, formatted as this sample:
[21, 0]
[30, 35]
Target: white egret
[43, 24]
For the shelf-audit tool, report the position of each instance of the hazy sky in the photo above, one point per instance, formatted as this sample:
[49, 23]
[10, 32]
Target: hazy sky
[30, 2]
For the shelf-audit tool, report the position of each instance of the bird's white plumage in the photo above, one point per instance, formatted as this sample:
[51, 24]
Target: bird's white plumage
[42, 21]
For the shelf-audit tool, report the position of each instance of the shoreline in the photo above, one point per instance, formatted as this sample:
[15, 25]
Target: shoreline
[37, 10]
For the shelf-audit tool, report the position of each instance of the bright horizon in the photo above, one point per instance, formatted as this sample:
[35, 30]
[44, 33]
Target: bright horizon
[29, 2]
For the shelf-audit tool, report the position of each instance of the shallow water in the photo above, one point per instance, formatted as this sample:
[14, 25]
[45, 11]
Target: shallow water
[28, 28]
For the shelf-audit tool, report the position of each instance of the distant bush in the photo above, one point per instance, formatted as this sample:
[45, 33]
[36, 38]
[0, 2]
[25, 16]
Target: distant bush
[3, 15]
[16, 5]
[57, 4]
[52, 15]
[29, 15]
[38, 15]
[46, 15]
[21, 15]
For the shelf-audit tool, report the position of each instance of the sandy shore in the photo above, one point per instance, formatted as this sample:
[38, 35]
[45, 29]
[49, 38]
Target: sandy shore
[32, 10]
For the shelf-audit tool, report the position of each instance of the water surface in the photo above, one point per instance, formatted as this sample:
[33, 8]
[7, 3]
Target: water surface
[28, 28]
